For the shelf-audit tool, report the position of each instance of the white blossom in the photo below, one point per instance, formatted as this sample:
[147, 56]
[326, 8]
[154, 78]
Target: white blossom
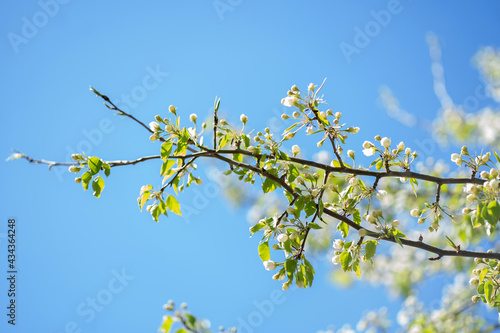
[295, 149]
[289, 101]
[337, 244]
[269, 265]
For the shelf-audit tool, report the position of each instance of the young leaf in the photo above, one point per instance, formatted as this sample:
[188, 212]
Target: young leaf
[293, 173]
[290, 266]
[345, 260]
[173, 205]
[95, 165]
[166, 325]
[98, 186]
[107, 169]
[166, 149]
[370, 249]
[264, 252]
[268, 185]
[86, 178]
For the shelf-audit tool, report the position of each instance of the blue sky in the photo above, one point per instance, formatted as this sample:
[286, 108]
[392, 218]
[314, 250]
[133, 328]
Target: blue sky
[73, 248]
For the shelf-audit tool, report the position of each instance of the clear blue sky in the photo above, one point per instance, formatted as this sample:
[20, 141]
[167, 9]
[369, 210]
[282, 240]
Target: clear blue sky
[72, 246]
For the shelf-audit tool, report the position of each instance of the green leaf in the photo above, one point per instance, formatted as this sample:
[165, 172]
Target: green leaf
[356, 268]
[264, 252]
[345, 260]
[370, 249]
[143, 199]
[356, 217]
[496, 155]
[107, 169]
[191, 319]
[181, 147]
[238, 157]
[98, 186]
[95, 165]
[269, 185]
[413, 183]
[165, 167]
[167, 324]
[86, 178]
[290, 128]
[379, 164]
[290, 266]
[494, 211]
[166, 149]
[343, 228]
[314, 225]
[483, 273]
[321, 207]
[293, 173]
[155, 212]
[310, 208]
[246, 140]
[488, 291]
[173, 205]
[309, 272]
[450, 242]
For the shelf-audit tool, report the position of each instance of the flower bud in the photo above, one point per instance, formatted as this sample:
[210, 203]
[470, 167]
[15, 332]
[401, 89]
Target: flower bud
[295, 114]
[494, 184]
[475, 298]
[285, 286]
[154, 126]
[310, 130]
[338, 115]
[367, 144]
[171, 109]
[315, 192]
[77, 157]
[336, 259]
[243, 119]
[485, 174]
[421, 220]
[284, 116]
[407, 151]
[474, 281]
[158, 118]
[311, 87]
[414, 212]
[193, 117]
[385, 142]
[395, 223]
[78, 180]
[377, 138]
[74, 169]
[322, 114]
[471, 197]
[370, 218]
[290, 210]
[466, 210]
[401, 146]
[464, 151]
[350, 153]
[295, 150]
[289, 135]
[362, 232]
